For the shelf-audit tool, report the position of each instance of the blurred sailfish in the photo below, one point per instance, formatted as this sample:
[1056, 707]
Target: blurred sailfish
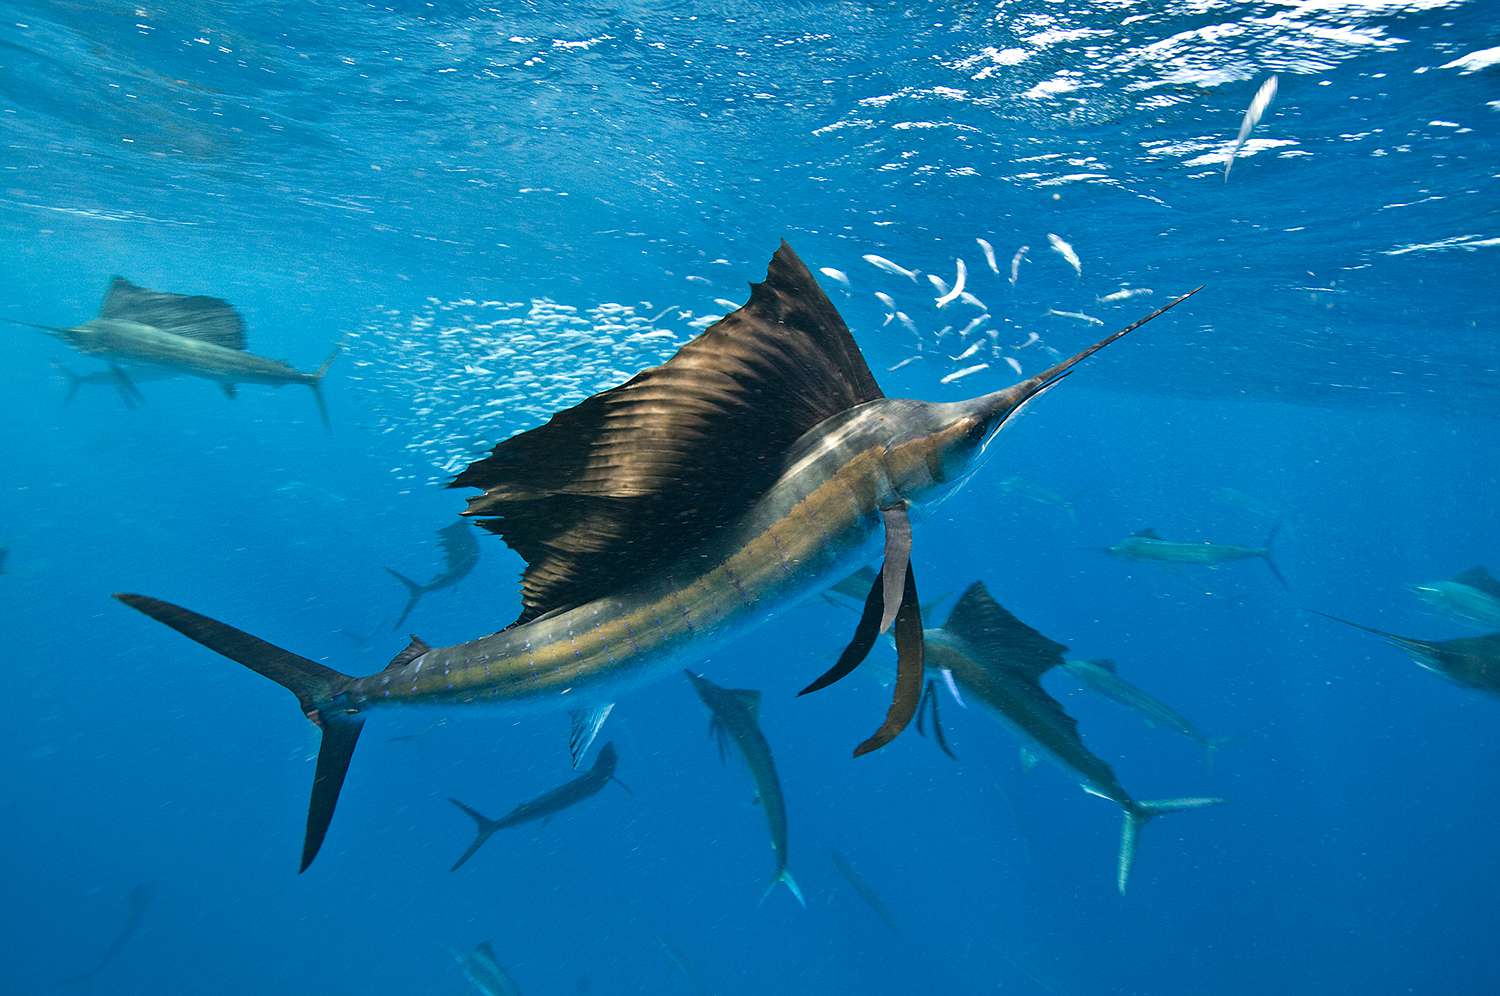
[663, 517]
[736, 718]
[1472, 597]
[1471, 661]
[460, 554]
[544, 806]
[484, 970]
[999, 661]
[187, 334]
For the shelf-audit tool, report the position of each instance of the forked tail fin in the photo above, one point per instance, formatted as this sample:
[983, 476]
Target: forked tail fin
[1137, 816]
[315, 381]
[484, 829]
[414, 594]
[315, 686]
[784, 877]
[1268, 556]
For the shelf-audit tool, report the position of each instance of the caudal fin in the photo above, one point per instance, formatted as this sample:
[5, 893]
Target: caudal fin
[1137, 815]
[414, 592]
[484, 829]
[784, 877]
[314, 685]
[315, 381]
[1268, 556]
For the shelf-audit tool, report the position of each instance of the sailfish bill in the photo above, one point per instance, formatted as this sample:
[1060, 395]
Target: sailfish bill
[670, 514]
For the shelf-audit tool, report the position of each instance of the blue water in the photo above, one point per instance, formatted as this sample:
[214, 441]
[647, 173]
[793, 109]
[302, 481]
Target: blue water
[499, 212]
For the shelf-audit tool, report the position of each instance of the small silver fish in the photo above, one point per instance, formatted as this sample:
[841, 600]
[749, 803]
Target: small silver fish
[1253, 114]
[938, 283]
[1015, 263]
[964, 332]
[727, 304]
[906, 362]
[973, 301]
[974, 348]
[989, 256]
[1124, 294]
[1077, 316]
[958, 286]
[1063, 249]
[965, 372]
[1015, 364]
[886, 299]
[905, 319]
[838, 276]
[881, 263]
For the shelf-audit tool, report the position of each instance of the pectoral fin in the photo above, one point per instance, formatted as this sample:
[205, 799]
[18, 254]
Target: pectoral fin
[893, 573]
[882, 604]
[131, 394]
[910, 654]
[859, 646]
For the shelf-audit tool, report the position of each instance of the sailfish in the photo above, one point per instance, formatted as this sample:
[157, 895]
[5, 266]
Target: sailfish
[662, 517]
[181, 333]
[999, 661]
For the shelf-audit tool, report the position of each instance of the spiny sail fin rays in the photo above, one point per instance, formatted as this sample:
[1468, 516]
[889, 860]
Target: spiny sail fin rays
[194, 316]
[628, 479]
[1001, 639]
[910, 654]
[586, 724]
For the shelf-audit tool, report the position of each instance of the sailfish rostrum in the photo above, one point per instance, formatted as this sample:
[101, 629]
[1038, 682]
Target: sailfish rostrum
[182, 333]
[663, 517]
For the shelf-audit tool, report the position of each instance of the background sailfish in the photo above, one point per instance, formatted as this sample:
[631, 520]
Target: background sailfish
[460, 554]
[188, 334]
[999, 661]
[667, 515]
[736, 718]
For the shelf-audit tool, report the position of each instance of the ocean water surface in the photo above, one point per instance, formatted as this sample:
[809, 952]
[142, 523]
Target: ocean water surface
[494, 211]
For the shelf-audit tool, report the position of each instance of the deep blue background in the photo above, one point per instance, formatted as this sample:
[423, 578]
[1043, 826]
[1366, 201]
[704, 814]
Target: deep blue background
[1356, 852]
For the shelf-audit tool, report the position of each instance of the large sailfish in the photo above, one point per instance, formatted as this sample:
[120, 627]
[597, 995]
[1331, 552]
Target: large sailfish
[669, 514]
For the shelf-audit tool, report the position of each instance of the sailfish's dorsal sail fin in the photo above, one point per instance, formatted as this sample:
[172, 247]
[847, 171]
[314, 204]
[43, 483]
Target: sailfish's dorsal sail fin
[1000, 639]
[1480, 579]
[194, 316]
[637, 475]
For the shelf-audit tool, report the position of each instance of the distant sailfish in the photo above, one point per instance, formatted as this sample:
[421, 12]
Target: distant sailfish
[484, 970]
[664, 517]
[460, 554]
[736, 718]
[1471, 661]
[138, 900]
[1101, 677]
[1472, 597]
[1147, 545]
[999, 661]
[187, 334]
[544, 806]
